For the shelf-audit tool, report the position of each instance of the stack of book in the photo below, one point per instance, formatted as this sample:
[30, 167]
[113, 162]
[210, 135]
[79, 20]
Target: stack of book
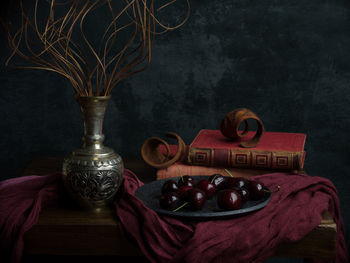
[211, 153]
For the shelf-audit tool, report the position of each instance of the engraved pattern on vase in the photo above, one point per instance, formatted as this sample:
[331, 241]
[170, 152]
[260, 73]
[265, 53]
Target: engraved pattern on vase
[94, 181]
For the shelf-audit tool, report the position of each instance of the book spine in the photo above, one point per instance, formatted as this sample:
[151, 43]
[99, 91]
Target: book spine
[193, 170]
[253, 159]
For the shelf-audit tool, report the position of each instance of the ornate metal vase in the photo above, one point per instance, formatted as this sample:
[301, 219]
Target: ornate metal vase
[93, 173]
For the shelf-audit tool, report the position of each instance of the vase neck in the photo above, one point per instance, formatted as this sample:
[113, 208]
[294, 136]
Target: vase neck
[93, 110]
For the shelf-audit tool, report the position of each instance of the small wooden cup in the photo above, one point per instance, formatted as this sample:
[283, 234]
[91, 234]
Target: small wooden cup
[229, 126]
[152, 156]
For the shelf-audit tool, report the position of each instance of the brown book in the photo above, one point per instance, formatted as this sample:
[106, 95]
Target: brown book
[178, 169]
[275, 151]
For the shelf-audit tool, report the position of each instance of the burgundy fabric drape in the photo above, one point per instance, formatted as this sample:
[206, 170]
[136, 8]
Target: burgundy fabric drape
[291, 213]
[21, 200]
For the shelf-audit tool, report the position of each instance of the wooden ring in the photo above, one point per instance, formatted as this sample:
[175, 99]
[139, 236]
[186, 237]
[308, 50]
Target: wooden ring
[229, 126]
[152, 156]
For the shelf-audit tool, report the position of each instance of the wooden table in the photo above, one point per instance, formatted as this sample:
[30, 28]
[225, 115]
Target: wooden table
[66, 233]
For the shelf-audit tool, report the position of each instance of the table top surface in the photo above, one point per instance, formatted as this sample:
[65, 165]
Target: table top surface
[66, 230]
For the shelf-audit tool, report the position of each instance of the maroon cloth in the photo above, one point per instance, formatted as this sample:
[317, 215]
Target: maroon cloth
[251, 238]
[21, 200]
[292, 212]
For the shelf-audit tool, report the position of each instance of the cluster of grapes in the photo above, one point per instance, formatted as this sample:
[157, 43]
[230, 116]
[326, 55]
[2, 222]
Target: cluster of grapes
[231, 192]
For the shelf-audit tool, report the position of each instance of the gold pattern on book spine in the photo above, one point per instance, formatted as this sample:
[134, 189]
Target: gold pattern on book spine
[248, 159]
[240, 158]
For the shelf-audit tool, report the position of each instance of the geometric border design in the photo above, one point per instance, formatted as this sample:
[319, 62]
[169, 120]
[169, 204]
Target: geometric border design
[282, 161]
[201, 157]
[240, 158]
[261, 159]
[246, 158]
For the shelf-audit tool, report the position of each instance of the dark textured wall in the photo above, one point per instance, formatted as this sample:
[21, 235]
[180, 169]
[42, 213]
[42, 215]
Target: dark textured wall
[288, 61]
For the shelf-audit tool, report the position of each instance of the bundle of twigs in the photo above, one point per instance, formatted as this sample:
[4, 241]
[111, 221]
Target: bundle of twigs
[92, 70]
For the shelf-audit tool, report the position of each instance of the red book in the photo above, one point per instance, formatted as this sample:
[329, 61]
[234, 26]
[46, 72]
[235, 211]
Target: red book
[276, 150]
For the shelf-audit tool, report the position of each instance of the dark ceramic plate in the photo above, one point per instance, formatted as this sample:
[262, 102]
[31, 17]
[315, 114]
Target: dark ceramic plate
[149, 193]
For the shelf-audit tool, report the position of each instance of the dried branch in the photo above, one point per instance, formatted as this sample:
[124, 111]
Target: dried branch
[60, 44]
